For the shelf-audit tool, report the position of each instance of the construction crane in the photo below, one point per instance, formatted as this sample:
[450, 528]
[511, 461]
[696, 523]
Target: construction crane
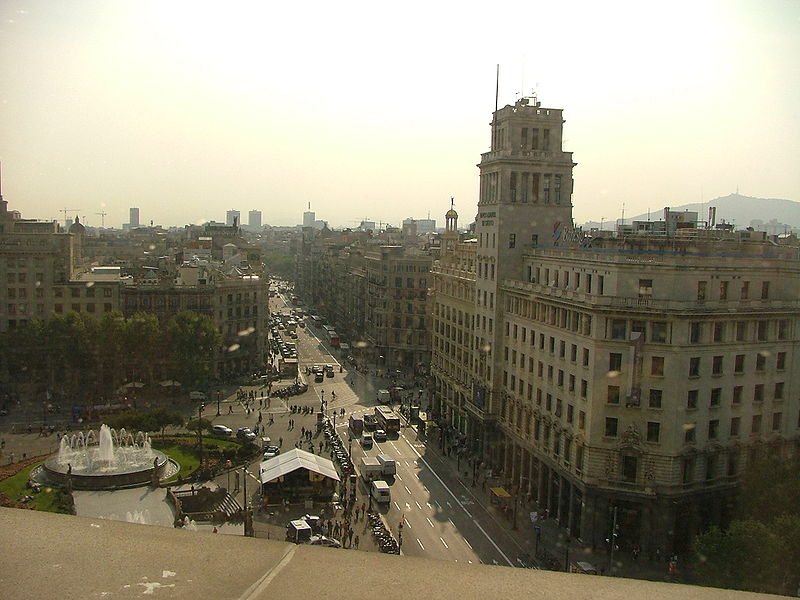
[66, 210]
[102, 218]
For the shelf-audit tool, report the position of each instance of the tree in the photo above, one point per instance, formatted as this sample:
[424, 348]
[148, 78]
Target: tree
[142, 346]
[193, 342]
[196, 425]
[760, 549]
[164, 417]
[146, 420]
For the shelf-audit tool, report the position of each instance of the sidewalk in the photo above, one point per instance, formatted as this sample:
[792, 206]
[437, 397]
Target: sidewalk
[553, 539]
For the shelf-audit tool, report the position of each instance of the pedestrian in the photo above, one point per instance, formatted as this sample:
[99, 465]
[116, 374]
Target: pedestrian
[355, 543]
[280, 442]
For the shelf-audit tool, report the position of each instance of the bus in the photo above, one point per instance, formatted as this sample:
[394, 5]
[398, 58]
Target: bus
[387, 419]
[331, 336]
[316, 320]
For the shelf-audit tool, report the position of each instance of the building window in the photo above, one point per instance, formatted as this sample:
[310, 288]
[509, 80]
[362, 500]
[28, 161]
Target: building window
[584, 388]
[630, 466]
[570, 413]
[780, 361]
[735, 421]
[713, 429]
[581, 420]
[689, 433]
[615, 362]
[711, 467]
[723, 290]
[764, 290]
[687, 469]
[761, 362]
[741, 331]
[783, 329]
[758, 392]
[613, 394]
[618, 329]
[761, 331]
[776, 421]
[755, 426]
[655, 398]
[653, 431]
[694, 366]
[585, 357]
[701, 290]
[719, 331]
[716, 365]
[611, 426]
[745, 291]
[738, 364]
[695, 331]
[658, 332]
[645, 288]
[716, 397]
[75, 292]
[691, 399]
[512, 240]
[657, 366]
[737, 394]
[779, 390]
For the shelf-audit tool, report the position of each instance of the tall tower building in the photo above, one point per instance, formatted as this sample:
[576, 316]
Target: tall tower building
[309, 217]
[524, 201]
[232, 217]
[254, 219]
[134, 217]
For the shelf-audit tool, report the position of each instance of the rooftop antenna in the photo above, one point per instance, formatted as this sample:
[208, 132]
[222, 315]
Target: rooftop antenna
[497, 88]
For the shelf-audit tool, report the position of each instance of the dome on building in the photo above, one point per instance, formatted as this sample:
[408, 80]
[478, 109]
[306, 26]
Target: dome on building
[451, 213]
[77, 227]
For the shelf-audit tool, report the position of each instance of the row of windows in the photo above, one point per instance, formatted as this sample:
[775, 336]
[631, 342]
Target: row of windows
[739, 331]
[543, 312]
[740, 363]
[724, 290]
[89, 291]
[548, 343]
[89, 308]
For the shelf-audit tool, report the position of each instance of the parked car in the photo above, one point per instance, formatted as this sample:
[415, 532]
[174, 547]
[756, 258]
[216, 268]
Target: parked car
[272, 452]
[245, 434]
[366, 440]
[321, 540]
[379, 435]
[221, 430]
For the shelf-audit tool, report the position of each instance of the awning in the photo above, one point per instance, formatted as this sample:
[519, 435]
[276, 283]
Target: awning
[278, 466]
[500, 492]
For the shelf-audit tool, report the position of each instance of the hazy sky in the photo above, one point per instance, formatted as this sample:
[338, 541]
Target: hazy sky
[380, 110]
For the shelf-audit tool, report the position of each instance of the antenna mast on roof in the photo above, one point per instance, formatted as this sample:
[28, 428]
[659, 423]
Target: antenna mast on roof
[497, 88]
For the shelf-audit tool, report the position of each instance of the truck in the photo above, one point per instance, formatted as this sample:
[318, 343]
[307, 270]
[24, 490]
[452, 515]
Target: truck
[384, 397]
[356, 425]
[371, 468]
[380, 491]
[388, 466]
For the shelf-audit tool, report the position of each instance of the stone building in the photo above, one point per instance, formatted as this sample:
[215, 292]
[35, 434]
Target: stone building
[628, 378]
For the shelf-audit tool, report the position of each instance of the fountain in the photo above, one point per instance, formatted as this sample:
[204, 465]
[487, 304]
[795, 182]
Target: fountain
[110, 459]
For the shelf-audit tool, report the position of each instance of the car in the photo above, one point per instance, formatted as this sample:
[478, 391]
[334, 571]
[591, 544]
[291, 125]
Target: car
[369, 422]
[379, 435]
[301, 324]
[329, 370]
[366, 440]
[293, 335]
[272, 452]
[221, 430]
[245, 434]
[322, 540]
[319, 377]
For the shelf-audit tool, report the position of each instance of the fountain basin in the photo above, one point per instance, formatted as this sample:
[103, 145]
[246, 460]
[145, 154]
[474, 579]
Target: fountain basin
[108, 478]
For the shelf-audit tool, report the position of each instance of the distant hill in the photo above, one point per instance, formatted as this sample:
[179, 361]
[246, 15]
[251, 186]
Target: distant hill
[739, 210]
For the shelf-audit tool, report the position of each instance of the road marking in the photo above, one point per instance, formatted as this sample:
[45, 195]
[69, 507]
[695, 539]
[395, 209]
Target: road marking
[398, 477]
[445, 543]
[450, 505]
[469, 561]
[429, 504]
[467, 543]
[408, 465]
[397, 505]
[496, 547]
[420, 544]
[408, 506]
[429, 521]
[419, 506]
[478, 525]
[408, 490]
[407, 524]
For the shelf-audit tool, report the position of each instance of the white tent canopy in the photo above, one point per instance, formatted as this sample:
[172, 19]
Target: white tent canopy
[283, 464]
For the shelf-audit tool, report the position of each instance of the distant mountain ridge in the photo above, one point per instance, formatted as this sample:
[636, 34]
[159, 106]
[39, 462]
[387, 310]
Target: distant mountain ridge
[739, 210]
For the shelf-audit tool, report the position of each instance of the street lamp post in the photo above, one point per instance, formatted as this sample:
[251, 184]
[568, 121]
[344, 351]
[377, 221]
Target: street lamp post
[514, 521]
[200, 430]
[219, 397]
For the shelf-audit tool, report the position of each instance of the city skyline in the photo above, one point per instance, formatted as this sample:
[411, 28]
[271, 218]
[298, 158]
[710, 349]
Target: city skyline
[365, 128]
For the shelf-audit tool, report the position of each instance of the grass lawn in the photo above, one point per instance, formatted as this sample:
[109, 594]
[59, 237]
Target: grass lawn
[186, 456]
[49, 499]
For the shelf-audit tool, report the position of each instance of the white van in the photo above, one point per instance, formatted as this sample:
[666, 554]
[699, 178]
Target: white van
[380, 492]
